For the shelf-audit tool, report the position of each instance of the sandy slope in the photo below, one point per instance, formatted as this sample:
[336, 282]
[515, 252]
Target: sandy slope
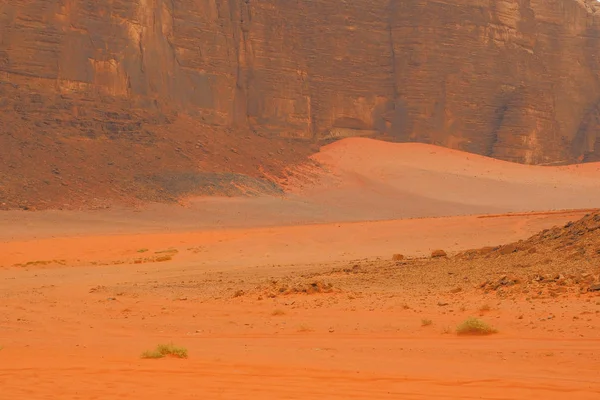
[82, 294]
[277, 245]
[379, 179]
[360, 179]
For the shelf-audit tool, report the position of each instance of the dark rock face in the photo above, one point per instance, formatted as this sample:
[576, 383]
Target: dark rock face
[514, 79]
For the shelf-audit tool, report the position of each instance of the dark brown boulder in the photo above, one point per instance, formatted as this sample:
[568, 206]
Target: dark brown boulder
[438, 254]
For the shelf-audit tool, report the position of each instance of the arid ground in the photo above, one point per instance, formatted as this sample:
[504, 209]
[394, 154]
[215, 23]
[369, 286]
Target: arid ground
[328, 291]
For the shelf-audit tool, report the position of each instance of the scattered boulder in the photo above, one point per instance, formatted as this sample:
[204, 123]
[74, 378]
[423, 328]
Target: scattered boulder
[298, 288]
[438, 254]
[594, 288]
[532, 250]
[508, 249]
[486, 250]
[587, 278]
[504, 281]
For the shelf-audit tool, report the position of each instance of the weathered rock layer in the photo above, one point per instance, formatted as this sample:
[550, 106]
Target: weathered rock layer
[514, 79]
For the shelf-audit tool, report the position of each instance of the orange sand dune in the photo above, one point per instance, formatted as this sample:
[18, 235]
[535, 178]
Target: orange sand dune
[377, 179]
[360, 180]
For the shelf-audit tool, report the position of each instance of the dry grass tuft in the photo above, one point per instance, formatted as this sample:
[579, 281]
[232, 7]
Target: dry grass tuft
[167, 251]
[277, 313]
[426, 322]
[164, 350]
[40, 263]
[475, 326]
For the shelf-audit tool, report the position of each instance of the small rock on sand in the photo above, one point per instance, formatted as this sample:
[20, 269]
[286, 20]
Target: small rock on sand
[595, 288]
[438, 254]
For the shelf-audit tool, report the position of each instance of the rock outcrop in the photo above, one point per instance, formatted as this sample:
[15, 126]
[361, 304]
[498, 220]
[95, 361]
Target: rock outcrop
[517, 80]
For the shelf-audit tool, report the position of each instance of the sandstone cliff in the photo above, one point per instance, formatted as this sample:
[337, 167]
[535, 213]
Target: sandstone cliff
[514, 79]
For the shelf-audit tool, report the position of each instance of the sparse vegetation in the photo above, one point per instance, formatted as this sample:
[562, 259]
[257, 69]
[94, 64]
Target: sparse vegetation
[41, 263]
[164, 350]
[142, 250]
[161, 258]
[426, 322]
[475, 326]
[277, 313]
[152, 354]
[446, 330]
[167, 251]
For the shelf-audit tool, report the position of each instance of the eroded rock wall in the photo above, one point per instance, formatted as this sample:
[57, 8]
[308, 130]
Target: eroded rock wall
[512, 79]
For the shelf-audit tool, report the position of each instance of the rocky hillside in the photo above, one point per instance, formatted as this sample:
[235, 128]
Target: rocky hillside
[548, 263]
[578, 239]
[107, 81]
